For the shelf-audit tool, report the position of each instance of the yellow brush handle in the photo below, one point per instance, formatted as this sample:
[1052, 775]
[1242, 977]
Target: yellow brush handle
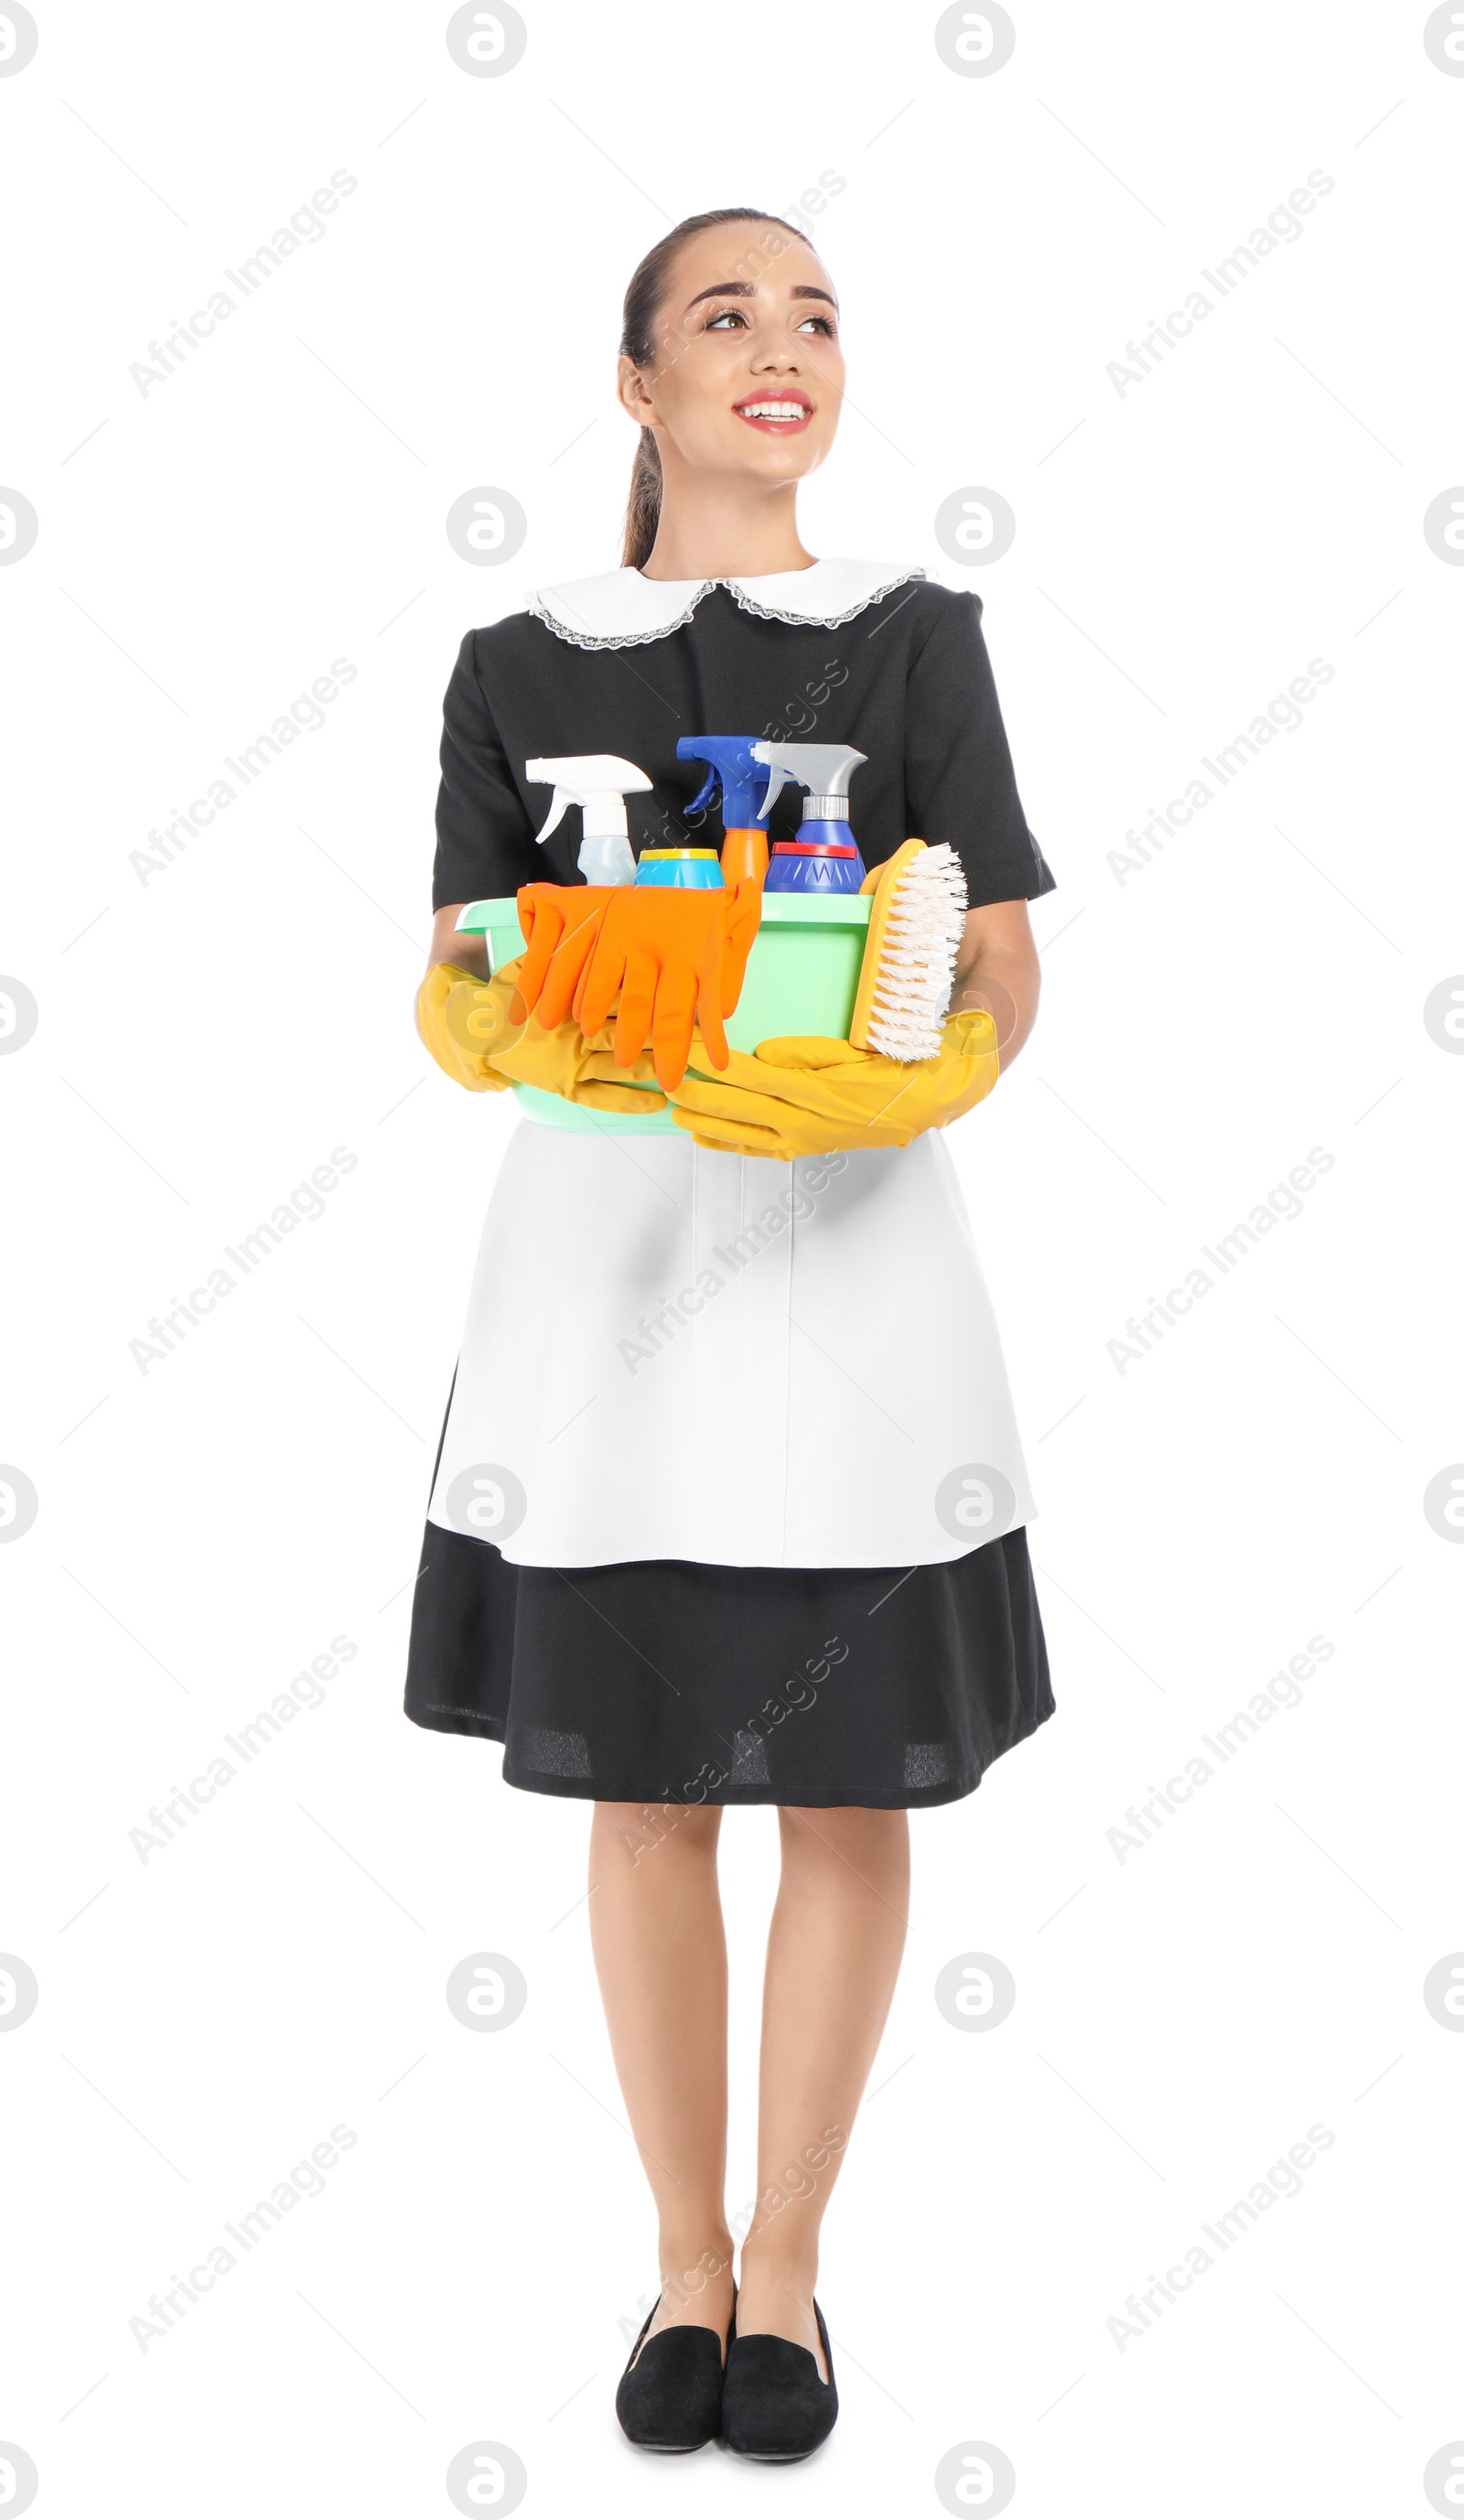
[881, 882]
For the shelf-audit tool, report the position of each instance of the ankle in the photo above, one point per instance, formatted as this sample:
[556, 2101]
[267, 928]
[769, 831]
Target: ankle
[690, 2265]
[771, 2265]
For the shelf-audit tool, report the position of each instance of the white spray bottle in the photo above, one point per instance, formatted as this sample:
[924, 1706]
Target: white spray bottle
[599, 784]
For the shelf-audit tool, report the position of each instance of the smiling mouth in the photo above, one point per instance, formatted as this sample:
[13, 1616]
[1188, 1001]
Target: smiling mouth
[780, 415]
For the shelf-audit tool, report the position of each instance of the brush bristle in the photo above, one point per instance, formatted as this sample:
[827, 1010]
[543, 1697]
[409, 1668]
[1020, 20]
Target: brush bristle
[918, 965]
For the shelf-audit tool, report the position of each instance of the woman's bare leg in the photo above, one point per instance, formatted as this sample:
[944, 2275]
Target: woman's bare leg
[833, 1955]
[655, 1924]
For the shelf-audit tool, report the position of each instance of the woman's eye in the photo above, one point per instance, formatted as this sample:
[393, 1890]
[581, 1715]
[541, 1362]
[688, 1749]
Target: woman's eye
[821, 323]
[726, 315]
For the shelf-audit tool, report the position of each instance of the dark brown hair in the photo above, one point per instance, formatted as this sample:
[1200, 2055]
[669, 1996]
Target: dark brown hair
[638, 342]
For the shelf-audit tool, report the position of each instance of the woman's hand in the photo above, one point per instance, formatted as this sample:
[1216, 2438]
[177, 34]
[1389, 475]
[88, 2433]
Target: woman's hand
[475, 1031]
[803, 1095]
[560, 1060]
[461, 1018]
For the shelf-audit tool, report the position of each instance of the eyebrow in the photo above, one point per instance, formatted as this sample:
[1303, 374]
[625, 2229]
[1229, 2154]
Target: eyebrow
[748, 289]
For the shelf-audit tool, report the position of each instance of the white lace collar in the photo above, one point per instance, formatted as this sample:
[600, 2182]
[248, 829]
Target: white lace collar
[624, 609]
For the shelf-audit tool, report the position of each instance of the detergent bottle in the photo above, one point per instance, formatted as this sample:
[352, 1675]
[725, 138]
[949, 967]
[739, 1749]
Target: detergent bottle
[598, 783]
[732, 767]
[825, 857]
[692, 870]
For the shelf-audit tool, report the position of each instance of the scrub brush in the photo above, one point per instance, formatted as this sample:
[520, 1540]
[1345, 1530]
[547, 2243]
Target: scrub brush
[916, 929]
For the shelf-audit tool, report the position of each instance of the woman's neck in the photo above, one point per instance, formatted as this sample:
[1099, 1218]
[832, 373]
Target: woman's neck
[714, 529]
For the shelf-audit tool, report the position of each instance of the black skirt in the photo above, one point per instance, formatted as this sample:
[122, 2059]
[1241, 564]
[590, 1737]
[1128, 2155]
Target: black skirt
[664, 1681]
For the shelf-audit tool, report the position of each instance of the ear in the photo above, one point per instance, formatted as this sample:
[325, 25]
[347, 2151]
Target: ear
[633, 393]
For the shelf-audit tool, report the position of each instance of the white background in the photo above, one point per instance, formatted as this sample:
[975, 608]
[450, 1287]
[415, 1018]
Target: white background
[206, 1037]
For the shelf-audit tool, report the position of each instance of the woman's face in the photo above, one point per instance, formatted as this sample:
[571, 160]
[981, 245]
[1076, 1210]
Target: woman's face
[747, 375]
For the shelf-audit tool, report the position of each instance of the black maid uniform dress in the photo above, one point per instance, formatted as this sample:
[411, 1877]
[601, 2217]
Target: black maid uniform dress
[760, 1540]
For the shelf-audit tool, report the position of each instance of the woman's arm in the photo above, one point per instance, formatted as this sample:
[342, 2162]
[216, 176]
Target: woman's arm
[470, 953]
[996, 968]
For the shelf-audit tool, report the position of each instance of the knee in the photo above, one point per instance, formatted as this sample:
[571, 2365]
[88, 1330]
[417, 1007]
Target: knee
[679, 1830]
[845, 1834]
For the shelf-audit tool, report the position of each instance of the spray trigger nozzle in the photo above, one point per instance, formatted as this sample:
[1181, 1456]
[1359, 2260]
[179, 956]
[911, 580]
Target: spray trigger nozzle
[598, 783]
[732, 763]
[824, 769]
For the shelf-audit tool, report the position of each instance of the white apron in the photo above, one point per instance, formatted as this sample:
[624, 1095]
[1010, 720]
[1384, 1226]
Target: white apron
[674, 1353]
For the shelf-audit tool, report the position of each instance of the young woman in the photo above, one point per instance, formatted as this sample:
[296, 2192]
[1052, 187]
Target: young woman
[762, 1540]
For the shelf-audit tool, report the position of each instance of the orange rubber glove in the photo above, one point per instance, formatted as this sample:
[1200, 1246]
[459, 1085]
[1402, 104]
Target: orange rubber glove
[560, 923]
[675, 958]
[742, 914]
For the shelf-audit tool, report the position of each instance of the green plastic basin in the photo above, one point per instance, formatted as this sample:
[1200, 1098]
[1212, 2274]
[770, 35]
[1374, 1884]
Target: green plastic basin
[802, 976]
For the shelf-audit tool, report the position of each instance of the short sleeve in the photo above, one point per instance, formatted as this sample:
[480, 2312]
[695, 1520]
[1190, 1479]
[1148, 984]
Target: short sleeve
[485, 839]
[960, 784]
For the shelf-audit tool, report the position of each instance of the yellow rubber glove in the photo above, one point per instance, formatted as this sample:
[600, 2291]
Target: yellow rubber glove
[467, 1024]
[561, 1060]
[803, 1095]
[459, 1017]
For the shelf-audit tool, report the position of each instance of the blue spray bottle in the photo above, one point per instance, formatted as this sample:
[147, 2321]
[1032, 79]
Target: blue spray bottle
[825, 857]
[732, 767]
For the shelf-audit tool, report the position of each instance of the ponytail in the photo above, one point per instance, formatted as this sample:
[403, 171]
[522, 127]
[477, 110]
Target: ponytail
[643, 509]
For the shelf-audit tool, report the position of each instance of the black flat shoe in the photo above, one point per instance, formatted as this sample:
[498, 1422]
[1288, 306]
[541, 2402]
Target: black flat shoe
[670, 2393]
[773, 2404]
